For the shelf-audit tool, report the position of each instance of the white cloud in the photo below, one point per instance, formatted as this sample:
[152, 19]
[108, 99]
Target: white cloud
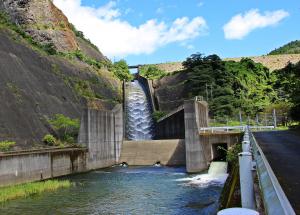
[242, 24]
[200, 4]
[116, 37]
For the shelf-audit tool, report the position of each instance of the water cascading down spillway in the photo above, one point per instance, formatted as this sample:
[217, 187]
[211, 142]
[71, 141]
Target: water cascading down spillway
[139, 121]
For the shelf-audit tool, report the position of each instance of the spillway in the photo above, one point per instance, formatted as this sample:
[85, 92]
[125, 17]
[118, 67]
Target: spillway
[139, 120]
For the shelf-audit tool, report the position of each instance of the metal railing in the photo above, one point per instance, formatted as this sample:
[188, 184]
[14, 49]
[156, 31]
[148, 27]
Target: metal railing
[275, 200]
[232, 128]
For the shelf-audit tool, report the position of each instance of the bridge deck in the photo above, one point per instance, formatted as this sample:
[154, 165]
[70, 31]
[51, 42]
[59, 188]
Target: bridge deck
[282, 149]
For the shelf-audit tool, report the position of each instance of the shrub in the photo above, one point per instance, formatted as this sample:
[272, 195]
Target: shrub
[49, 140]
[121, 71]
[49, 48]
[152, 72]
[157, 115]
[67, 129]
[232, 153]
[6, 145]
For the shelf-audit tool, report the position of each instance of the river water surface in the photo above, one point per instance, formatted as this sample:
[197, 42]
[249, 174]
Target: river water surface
[133, 190]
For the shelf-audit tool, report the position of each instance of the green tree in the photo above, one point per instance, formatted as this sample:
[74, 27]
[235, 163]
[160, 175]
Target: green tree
[288, 87]
[229, 86]
[66, 128]
[290, 48]
[152, 72]
[121, 71]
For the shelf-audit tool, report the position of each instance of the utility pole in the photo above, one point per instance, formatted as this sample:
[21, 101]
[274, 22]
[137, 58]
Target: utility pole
[240, 116]
[256, 119]
[206, 92]
[274, 118]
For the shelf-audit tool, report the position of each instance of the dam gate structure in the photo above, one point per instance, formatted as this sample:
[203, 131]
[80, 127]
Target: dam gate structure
[175, 139]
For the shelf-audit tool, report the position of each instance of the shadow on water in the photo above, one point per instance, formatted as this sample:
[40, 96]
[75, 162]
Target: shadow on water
[132, 190]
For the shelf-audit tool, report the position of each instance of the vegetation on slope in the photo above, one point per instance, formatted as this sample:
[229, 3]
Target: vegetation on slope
[6, 145]
[288, 87]
[152, 72]
[5, 22]
[29, 189]
[290, 48]
[229, 87]
[66, 129]
[81, 35]
[121, 71]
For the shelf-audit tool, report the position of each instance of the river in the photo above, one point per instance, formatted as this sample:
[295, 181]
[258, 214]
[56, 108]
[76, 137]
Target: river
[132, 190]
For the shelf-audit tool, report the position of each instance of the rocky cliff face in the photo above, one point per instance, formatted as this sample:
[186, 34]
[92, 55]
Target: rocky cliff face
[46, 24]
[34, 86]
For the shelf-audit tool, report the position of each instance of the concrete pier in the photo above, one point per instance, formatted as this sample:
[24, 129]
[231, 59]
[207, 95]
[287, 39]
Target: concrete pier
[195, 116]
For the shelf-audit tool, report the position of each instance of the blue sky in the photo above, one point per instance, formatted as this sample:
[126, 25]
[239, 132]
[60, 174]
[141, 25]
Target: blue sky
[154, 31]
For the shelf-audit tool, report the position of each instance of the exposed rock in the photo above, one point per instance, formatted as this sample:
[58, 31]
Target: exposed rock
[46, 24]
[43, 21]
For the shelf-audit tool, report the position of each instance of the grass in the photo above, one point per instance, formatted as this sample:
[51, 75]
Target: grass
[30, 189]
[229, 123]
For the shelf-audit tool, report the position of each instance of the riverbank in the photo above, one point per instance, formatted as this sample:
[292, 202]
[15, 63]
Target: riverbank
[29, 189]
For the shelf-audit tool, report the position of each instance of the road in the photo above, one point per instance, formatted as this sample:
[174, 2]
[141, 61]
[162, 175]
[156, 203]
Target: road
[282, 149]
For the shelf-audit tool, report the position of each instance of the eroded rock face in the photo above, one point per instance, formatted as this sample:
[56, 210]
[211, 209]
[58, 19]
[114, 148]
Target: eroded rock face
[43, 21]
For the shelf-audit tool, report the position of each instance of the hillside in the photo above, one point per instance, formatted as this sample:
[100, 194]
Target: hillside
[228, 86]
[38, 80]
[290, 48]
[170, 66]
[272, 62]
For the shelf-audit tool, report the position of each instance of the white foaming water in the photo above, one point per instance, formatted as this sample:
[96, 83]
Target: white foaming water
[139, 123]
[217, 175]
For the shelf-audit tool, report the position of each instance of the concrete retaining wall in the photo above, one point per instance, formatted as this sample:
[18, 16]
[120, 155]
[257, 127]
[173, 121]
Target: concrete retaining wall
[168, 152]
[21, 167]
[102, 132]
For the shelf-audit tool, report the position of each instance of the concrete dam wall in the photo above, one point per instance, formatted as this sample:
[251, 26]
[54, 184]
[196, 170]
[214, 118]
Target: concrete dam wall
[148, 152]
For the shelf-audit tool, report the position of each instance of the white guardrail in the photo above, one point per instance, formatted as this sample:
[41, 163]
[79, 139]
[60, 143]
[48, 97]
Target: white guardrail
[275, 200]
[232, 128]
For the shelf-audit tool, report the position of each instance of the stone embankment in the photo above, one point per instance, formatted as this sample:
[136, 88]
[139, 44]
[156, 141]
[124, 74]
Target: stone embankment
[272, 62]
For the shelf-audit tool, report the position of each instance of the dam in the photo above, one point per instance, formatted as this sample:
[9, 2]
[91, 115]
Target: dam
[110, 136]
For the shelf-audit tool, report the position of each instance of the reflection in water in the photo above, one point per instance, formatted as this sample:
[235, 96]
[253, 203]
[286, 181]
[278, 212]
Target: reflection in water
[133, 190]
